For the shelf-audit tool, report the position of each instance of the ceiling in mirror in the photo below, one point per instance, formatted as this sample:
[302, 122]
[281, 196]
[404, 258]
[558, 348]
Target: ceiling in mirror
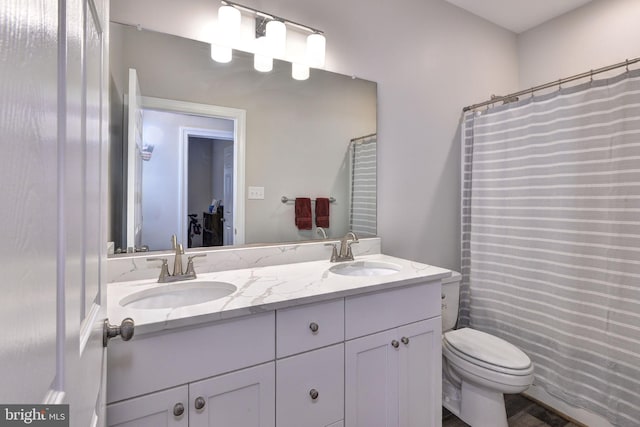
[300, 136]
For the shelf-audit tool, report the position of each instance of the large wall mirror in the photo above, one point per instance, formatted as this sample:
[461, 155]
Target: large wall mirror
[281, 137]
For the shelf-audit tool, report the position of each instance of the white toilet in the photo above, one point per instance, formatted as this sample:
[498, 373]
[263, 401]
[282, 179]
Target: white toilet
[477, 368]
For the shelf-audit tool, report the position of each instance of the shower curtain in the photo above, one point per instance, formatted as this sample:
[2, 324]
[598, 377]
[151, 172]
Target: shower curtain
[551, 238]
[362, 210]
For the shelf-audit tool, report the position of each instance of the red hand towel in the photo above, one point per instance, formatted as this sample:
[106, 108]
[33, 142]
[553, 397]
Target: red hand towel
[303, 213]
[322, 212]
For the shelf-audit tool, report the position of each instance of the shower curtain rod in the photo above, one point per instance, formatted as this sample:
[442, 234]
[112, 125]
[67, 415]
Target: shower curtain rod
[363, 137]
[591, 73]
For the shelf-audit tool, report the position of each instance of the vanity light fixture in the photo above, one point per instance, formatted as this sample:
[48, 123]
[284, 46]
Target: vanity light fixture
[316, 45]
[262, 57]
[221, 54]
[270, 42]
[277, 38]
[299, 71]
[227, 33]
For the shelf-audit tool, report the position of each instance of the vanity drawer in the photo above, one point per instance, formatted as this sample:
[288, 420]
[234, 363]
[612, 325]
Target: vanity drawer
[310, 326]
[370, 313]
[157, 361]
[310, 388]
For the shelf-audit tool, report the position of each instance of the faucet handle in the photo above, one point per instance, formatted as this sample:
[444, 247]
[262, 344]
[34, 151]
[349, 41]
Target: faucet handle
[190, 269]
[349, 250]
[334, 251]
[164, 268]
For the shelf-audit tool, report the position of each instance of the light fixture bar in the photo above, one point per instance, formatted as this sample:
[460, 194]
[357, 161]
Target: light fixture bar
[273, 17]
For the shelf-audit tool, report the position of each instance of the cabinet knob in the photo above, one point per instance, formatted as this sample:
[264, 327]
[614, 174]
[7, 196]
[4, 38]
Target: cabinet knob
[178, 409]
[314, 327]
[199, 403]
[404, 340]
[314, 393]
[395, 344]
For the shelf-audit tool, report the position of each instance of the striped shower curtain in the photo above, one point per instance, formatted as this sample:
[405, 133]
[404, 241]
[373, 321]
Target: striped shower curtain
[362, 211]
[551, 239]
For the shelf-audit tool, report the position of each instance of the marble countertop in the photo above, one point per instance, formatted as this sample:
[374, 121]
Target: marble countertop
[263, 289]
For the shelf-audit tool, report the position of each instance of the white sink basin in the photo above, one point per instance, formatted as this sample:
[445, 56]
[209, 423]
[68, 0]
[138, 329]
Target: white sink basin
[365, 268]
[178, 295]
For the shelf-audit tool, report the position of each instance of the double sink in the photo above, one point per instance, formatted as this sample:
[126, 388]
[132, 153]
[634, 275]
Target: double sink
[191, 292]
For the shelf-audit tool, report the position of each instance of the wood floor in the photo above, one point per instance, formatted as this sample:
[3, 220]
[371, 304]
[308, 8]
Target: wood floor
[521, 412]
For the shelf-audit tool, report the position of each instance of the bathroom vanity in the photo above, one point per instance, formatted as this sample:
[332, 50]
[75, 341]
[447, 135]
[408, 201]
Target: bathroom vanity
[301, 344]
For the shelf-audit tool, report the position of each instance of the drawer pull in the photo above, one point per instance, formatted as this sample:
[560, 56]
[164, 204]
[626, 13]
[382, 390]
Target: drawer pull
[314, 327]
[395, 344]
[404, 340]
[178, 409]
[199, 403]
[314, 393]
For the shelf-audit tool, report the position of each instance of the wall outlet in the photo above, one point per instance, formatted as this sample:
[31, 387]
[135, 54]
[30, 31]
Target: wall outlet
[256, 193]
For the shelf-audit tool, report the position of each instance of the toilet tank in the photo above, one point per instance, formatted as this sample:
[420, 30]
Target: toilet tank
[450, 300]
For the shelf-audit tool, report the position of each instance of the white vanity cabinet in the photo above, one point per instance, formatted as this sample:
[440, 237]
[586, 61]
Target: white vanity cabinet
[163, 408]
[241, 398]
[393, 358]
[310, 384]
[367, 360]
[221, 371]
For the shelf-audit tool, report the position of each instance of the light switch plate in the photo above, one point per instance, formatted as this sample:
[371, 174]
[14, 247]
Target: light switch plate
[256, 193]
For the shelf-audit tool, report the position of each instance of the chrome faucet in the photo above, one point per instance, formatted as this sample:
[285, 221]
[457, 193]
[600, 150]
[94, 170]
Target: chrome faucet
[177, 260]
[178, 274]
[321, 232]
[345, 253]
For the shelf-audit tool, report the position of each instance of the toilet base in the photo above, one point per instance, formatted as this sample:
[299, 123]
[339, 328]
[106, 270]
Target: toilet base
[476, 406]
[480, 407]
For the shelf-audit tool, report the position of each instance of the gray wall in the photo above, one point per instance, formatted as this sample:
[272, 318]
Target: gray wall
[429, 59]
[601, 33]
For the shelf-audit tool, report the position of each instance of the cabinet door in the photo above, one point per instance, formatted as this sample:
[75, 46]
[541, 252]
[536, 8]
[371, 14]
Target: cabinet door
[371, 381]
[420, 373]
[244, 398]
[310, 388]
[163, 408]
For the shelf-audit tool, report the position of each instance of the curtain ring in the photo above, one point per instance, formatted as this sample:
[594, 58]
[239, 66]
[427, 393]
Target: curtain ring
[559, 84]
[591, 76]
[627, 64]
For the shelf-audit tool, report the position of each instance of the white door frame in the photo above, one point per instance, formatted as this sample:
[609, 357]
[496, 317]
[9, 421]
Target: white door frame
[183, 170]
[239, 131]
[134, 162]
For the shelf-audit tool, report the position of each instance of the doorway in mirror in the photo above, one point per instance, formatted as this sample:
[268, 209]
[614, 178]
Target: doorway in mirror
[189, 173]
[209, 190]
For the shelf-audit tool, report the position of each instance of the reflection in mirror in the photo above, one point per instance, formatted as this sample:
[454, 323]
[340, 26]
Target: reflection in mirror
[299, 142]
[193, 149]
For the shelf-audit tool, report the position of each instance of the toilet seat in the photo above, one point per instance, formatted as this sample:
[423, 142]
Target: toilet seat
[487, 351]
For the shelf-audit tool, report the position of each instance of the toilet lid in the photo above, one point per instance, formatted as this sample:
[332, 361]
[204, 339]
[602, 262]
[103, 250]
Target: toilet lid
[487, 348]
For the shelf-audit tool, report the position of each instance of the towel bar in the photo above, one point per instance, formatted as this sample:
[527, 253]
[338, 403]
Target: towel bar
[285, 199]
